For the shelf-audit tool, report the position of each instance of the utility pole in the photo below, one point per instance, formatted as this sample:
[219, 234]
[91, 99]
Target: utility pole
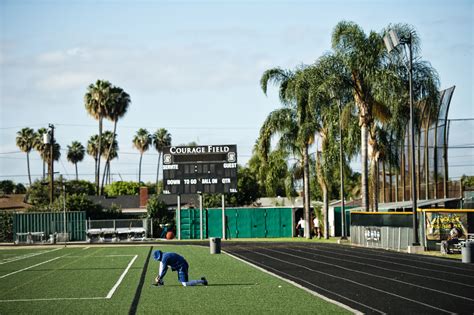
[48, 139]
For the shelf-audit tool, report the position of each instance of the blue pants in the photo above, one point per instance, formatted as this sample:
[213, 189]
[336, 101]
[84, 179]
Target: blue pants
[183, 273]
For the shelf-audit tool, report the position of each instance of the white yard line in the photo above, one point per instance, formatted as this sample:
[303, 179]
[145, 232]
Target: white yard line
[27, 256]
[53, 299]
[86, 247]
[111, 292]
[102, 256]
[41, 263]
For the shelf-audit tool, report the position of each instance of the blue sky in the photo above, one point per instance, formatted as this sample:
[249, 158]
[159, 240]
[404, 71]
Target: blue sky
[193, 67]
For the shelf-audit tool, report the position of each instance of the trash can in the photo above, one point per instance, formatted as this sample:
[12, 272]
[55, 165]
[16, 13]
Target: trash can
[467, 252]
[215, 245]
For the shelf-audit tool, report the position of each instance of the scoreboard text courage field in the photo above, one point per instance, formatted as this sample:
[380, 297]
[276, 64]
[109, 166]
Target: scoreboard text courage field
[200, 169]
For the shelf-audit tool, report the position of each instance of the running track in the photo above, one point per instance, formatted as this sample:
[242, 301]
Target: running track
[369, 280]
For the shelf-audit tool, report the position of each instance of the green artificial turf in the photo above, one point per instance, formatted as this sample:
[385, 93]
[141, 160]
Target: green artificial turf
[234, 287]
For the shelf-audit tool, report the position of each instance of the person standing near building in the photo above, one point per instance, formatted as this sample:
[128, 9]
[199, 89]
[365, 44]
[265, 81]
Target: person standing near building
[300, 227]
[317, 229]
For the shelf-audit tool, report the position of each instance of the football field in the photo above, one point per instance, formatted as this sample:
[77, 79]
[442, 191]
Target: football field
[117, 279]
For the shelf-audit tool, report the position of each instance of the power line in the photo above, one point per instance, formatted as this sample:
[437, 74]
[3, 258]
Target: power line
[171, 127]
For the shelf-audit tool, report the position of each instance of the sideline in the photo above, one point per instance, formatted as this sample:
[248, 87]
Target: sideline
[138, 292]
[346, 307]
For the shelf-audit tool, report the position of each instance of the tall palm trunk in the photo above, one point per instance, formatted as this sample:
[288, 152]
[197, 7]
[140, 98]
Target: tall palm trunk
[158, 167]
[397, 177]
[384, 195]
[107, 162]
[325, 210]
[324, 188]
[95, 168]
[306, 191]
[44, 169]
[28, 166]
[99, 153]
[77, 176]
[427, 168]
[140, 169]
[376, 185]
[365, 171]
[418, 168]
[390, 183]
[106, 174]
[403, 184]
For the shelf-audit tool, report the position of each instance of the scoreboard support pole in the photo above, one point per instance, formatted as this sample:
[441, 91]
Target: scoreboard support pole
[178, 218]
[223, 217]
[200, 215]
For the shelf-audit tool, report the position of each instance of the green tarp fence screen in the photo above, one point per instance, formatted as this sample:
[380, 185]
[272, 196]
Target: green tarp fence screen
[240, 223]
[50, 223]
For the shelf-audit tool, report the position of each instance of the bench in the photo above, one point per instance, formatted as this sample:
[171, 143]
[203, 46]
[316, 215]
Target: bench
[455, 248]
[103, 235]
[29, 237]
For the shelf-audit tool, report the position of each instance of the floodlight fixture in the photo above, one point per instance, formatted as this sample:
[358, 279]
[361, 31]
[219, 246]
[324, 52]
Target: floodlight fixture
[388, 43]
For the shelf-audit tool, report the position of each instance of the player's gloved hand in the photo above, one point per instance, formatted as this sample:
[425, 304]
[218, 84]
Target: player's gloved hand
[158, 281]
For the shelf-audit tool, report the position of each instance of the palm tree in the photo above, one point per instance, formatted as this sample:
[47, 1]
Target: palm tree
[93, 149]
[115, 110]
[296, 123]
[41, 147]
[75, 154]
[97, 99]
[25, 140]
[110, 152]
[367, 76]
[141, 141]
[331, 102]
[161, 138]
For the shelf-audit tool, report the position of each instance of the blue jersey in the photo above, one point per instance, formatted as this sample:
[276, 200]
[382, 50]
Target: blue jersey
[173, 260]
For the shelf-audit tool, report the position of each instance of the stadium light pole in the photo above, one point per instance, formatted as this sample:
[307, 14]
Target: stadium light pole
[392, 41]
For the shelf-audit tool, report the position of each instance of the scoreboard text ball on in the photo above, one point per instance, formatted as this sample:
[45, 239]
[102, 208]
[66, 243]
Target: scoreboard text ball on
[210, 169]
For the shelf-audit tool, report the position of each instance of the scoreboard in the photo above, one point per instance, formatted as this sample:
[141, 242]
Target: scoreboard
[208, 169]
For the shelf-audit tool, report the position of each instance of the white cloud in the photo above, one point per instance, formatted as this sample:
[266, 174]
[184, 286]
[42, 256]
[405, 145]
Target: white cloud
[62, 56]
[65, 81]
